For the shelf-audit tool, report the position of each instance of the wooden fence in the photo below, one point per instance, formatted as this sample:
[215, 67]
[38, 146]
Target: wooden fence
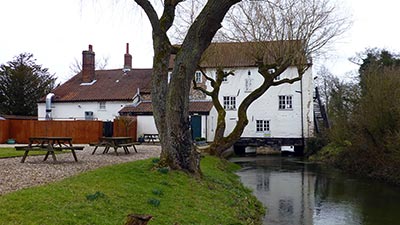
[80, 131]
[4, 130]
[125, 126]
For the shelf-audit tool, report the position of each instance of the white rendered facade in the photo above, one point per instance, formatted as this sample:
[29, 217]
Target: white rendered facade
[266, 119]
[101, 110]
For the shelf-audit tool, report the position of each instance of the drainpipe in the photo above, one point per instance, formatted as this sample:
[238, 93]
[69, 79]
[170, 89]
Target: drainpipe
[302, 113]
[48, 105]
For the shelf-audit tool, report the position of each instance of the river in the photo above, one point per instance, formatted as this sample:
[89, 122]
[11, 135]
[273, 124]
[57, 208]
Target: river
[301, 193]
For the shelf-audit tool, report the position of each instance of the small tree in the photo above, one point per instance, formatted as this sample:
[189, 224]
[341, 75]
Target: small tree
[374, 58]
[22, 84]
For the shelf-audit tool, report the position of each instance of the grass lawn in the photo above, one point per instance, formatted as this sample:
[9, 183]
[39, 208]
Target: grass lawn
[109, 194]
[11, 152]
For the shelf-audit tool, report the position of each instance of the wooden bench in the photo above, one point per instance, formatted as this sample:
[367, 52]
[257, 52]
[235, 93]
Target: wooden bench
[30, 148]
[68, 148]
[151, 138]
[126, 145]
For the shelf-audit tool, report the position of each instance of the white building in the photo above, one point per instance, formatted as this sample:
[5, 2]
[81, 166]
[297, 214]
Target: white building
[283, 116]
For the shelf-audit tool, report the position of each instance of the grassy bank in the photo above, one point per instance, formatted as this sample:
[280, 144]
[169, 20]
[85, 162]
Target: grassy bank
[108, 195]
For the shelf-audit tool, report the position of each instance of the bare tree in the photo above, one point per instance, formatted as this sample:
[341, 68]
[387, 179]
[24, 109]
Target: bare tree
[277, 34]
[325, 83]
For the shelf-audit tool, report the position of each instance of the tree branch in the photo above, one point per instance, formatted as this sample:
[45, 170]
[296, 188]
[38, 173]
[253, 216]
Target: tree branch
[168, 15]
[201, 89]
[151, 14]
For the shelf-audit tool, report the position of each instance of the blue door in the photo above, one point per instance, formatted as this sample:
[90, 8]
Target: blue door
[195, 124]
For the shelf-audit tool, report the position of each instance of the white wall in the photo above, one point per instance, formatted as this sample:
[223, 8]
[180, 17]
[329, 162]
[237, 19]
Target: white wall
[146, 125]
[283, 123]
[76, 110]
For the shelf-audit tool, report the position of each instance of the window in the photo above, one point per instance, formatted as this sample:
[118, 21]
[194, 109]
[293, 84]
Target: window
[285, 102]
[225, 79]
[88, 115]
[230, 102]
[197, 77]
[248, 85]
[102, 105]
[262, 125]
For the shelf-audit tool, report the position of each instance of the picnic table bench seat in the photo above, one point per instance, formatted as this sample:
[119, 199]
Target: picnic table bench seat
[69, 148]
[126, 145]
[44, 148]
[31, 148]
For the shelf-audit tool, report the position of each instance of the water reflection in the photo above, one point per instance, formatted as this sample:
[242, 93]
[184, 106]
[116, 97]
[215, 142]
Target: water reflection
[301, 193]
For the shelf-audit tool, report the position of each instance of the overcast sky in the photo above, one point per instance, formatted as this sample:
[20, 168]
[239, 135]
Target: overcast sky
[57, 31]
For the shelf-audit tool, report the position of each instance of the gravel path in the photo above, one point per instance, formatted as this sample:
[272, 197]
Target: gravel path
[15, 175]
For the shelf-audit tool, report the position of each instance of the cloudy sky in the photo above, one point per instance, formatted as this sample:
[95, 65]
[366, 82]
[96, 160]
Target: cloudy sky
[56, 32]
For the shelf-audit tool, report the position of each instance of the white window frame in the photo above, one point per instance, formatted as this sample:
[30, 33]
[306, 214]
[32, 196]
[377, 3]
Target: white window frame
[102, 106]
[285, 102]
[229, 102]
[198, 77]
[262, 126]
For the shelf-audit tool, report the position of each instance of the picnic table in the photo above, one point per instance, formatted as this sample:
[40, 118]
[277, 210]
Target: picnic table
[151, 137]
[49, 144]
[115, 143]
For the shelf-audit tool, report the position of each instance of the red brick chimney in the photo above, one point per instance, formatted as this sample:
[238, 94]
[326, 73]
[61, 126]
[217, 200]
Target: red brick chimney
[127, 59]
[88, 65]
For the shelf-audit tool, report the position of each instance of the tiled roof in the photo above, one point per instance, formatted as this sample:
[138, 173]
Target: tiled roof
[147, 108]
[242, 54]
[110, 85]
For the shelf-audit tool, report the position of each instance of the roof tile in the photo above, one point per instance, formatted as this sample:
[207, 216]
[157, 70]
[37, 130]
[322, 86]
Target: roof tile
[110, 85]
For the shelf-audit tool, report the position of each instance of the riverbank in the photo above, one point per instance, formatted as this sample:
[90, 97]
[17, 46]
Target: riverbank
[107, 195]
[375, 165]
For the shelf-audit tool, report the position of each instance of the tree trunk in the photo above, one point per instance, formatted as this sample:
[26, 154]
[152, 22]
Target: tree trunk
[171, 101]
